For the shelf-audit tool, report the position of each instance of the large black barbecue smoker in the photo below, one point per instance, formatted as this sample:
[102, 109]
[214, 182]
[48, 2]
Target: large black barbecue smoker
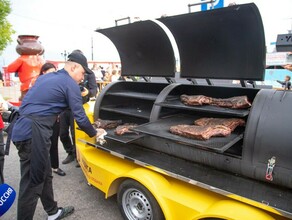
[224, 44]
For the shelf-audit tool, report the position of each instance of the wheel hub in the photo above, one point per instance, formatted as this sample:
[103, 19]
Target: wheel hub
[136, 205]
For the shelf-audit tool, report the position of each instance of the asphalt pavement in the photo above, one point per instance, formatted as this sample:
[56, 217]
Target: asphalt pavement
[72, 189]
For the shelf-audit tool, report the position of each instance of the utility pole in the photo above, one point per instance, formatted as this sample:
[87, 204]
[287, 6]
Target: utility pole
[290, 31]
[65, 54]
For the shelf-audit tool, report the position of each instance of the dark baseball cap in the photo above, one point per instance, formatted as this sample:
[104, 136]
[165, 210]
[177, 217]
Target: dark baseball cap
[80, 59]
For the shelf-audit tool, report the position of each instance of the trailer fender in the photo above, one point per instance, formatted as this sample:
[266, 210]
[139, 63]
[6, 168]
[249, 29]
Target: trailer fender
[154, 182]
[233, 210]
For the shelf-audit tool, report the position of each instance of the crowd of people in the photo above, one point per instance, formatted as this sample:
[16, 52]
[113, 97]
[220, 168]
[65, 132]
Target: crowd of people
[111, 74]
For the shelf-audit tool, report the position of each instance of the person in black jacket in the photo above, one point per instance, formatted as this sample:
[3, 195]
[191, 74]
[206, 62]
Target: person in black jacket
[88, 89]
[286, 84]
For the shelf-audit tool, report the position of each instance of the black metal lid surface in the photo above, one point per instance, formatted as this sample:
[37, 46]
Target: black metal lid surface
[225, 43]
[144, 49]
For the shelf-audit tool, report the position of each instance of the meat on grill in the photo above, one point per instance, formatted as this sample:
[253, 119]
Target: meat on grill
[195, 99]
[125, 128]
[231, 123]
[106, 124]
[200, 132]
[238, 102]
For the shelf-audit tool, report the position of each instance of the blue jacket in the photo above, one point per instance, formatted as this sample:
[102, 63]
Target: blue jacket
[51, 94]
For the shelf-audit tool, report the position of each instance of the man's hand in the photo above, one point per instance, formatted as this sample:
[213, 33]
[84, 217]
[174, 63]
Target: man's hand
[100, 133]
[84, 92]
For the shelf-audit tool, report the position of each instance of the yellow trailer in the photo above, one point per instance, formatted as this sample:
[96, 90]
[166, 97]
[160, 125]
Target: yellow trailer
[145, 191]
[157, 174]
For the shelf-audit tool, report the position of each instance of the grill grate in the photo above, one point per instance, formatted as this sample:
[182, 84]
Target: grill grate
[126, 138]
[161, 127]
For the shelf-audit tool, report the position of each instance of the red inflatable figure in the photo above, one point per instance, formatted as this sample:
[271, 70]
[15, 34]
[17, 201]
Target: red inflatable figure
[29, 63]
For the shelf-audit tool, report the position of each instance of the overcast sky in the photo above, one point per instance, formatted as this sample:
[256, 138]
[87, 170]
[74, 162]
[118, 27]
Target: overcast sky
[70, 24]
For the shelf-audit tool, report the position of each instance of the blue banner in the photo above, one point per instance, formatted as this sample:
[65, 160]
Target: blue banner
[216, 4]
[272, 75]
[7, 197]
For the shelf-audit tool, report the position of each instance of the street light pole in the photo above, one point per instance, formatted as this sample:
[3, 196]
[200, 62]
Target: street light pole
[65, 54]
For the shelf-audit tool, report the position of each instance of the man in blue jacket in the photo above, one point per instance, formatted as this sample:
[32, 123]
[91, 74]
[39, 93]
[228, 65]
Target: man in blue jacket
[88, 89]
[51, 94]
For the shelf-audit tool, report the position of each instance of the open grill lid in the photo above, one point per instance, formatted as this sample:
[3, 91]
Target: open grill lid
[225, 43]
[144, 49]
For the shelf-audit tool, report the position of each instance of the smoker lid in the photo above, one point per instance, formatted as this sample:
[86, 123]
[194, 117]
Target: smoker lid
[144, 49]
[225, 43]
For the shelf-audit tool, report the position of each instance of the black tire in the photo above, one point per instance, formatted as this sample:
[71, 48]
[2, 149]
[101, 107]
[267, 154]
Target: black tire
[137, 203]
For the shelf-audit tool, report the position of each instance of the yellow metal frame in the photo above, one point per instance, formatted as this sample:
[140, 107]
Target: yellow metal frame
[177, 199]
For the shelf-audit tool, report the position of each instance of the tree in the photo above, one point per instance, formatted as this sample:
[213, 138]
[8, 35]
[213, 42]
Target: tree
[5, 27]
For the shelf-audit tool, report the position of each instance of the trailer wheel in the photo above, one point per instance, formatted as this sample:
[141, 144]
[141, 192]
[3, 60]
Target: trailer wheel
[137, 203]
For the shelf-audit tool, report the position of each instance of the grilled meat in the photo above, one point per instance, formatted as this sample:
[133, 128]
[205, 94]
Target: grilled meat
[231, 123]
[200, 132]
[106, 124]
[195, 99]
[125, 128]
[238, 102]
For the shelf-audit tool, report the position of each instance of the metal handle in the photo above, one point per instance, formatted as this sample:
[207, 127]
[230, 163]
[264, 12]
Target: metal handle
[122, 19]
[270, 167]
